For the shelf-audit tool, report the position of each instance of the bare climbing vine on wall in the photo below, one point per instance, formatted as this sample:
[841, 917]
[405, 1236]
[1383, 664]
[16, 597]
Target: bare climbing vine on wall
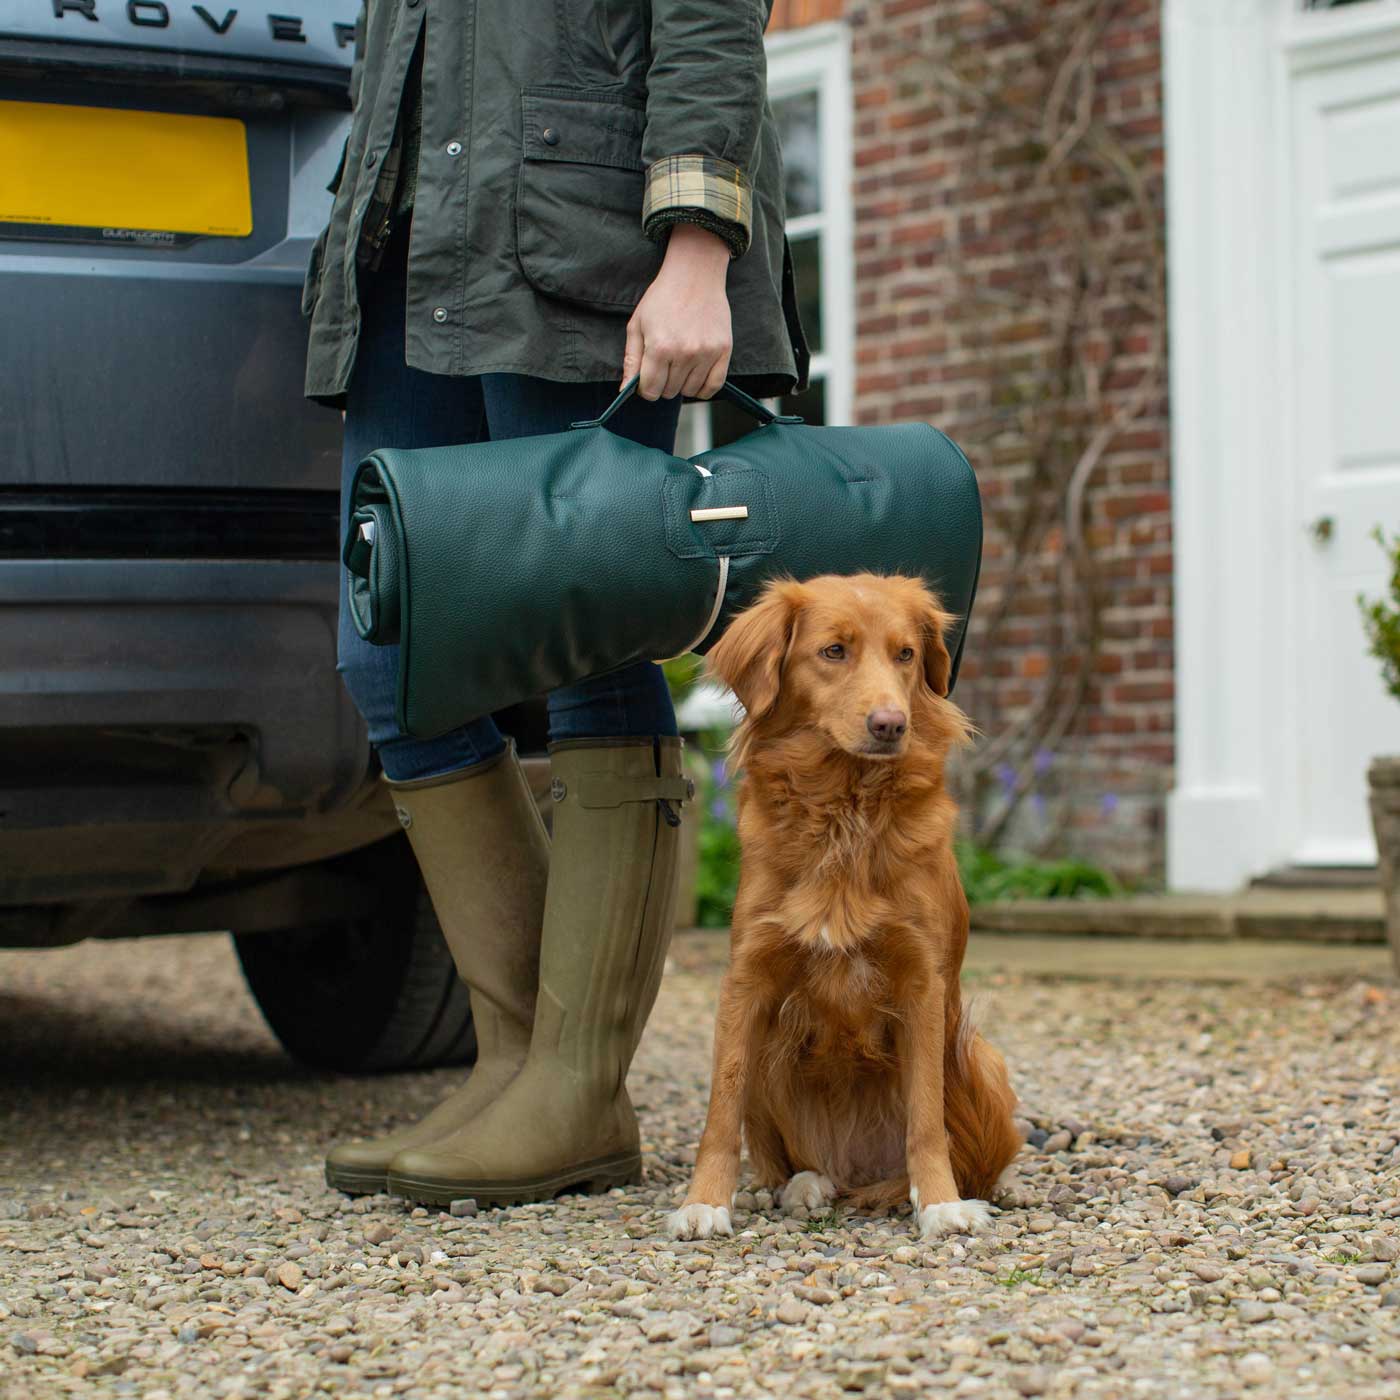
[1094, 277]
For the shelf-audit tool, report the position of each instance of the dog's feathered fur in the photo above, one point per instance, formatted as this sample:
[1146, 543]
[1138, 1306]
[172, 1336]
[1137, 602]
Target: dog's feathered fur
[842, 1046]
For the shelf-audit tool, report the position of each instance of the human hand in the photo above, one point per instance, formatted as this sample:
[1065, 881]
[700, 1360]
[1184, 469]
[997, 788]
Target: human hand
[680, 337]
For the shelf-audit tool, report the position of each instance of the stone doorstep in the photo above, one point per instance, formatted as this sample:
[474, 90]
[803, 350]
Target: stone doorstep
[1301, 915]
[1136, 959]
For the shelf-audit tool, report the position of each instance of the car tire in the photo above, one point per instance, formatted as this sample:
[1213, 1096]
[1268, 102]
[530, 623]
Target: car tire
[367, 994]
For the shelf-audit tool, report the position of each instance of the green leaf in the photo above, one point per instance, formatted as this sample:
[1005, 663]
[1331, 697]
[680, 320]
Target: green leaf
[986, 876]
[1381, 618]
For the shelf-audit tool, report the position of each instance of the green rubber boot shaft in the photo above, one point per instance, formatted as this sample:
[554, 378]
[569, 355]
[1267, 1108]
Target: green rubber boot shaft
[566, 1120]
[484, 853]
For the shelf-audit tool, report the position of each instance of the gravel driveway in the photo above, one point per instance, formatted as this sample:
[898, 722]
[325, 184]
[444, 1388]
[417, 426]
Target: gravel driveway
[1211, 1206]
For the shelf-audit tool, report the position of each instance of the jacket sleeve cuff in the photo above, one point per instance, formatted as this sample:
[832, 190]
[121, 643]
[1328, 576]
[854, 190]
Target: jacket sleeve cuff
[699, 189]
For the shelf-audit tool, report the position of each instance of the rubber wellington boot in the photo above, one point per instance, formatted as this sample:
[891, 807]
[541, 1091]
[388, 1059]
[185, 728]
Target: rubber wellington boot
[566, 1120]
[484, 853]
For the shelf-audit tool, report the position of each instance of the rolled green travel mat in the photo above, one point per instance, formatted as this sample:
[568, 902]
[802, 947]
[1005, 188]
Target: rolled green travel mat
[506, 569]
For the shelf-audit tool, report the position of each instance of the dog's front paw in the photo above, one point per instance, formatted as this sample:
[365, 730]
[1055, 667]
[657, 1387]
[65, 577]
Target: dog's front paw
[952, 1218]
[809, 1189]
[698, 1222]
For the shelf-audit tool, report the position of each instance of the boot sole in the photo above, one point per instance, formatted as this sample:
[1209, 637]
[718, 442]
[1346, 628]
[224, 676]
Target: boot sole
[592, 1177]
[356, 1182]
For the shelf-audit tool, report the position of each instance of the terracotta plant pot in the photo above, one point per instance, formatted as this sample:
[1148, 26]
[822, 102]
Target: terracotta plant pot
[1384, 777]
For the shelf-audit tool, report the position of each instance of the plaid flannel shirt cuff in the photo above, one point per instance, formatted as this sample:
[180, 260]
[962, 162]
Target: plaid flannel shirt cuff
[703, 190]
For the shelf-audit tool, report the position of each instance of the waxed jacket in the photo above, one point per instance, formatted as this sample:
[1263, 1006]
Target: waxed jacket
[559, 141]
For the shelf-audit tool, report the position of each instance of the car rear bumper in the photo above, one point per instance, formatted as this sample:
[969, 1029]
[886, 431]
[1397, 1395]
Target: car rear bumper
[168, 721]
[179, 381]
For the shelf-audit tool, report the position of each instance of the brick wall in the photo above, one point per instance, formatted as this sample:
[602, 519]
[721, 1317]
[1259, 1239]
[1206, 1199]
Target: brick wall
[792, 14]
[960, 263]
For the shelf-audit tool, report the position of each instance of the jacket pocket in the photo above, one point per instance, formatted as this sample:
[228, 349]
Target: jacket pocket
[311, 286]
[578, 198]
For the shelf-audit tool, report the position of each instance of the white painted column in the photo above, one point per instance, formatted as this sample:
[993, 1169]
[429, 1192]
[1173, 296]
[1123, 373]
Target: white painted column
[1221, 80]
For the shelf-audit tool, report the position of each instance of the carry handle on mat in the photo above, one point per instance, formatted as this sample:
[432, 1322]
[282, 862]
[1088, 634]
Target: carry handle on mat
[730, 391]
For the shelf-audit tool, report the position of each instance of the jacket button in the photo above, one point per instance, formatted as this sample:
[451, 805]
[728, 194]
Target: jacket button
[454, 148]
[371, 157]
[549, 136]
[439, 314]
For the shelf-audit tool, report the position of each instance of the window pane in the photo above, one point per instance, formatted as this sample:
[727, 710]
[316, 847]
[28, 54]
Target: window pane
[689, 430]
[810, 403]
[796, 117]
[807, 273]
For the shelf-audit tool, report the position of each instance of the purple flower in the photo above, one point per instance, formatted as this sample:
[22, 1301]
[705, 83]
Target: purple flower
[1109, 805]
[1043, 759]
[1006, 775]
[1038, 804]
[721, 777]
[719, 810]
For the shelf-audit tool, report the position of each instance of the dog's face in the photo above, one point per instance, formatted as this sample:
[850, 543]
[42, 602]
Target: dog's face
[859, 658]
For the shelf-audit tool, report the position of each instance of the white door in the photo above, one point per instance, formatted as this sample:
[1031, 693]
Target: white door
[1346, 160]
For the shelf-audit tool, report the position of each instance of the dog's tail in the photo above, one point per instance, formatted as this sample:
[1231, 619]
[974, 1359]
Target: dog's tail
[879, 1195]
[978, 1103]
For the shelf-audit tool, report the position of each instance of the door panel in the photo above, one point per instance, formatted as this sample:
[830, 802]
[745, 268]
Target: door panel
[1347, 125]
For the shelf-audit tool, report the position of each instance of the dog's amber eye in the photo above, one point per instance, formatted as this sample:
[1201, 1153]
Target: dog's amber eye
[905, 654]
[835, 652]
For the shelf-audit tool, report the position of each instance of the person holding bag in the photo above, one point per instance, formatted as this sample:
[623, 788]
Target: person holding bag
[536, 202]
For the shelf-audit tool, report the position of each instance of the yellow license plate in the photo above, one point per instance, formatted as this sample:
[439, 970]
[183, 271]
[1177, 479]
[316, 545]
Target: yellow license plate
[103, 168]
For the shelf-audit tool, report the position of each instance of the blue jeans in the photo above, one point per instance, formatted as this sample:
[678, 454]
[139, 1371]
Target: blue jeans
[390, 405]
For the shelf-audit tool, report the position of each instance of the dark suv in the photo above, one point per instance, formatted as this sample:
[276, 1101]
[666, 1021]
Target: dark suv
[177, 752]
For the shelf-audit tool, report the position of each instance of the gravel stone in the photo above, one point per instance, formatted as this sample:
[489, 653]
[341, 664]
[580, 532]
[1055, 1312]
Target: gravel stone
[165, 1229]
[1256, 1368]
[791, 1311]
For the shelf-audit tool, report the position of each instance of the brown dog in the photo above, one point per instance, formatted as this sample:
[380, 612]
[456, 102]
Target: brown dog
[841, 1050]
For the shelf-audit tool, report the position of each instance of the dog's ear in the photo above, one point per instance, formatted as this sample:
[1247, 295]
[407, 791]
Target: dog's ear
[933, 628]
[748, 658]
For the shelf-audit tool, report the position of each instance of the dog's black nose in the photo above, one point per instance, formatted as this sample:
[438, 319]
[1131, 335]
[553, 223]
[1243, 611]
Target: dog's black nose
[887, 725]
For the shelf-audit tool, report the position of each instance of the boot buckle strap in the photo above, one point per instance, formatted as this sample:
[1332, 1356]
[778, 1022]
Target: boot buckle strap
[612, 790]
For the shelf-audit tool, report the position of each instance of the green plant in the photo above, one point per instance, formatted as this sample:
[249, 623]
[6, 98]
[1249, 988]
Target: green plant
[987, 876]
[1018, 1276]
[1381, 617]
[717, 882]
[682, 674]
[717, 879]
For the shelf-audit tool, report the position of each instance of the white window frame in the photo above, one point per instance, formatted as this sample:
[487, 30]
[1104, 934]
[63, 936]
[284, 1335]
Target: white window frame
[817, 57]
[1336, 8]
